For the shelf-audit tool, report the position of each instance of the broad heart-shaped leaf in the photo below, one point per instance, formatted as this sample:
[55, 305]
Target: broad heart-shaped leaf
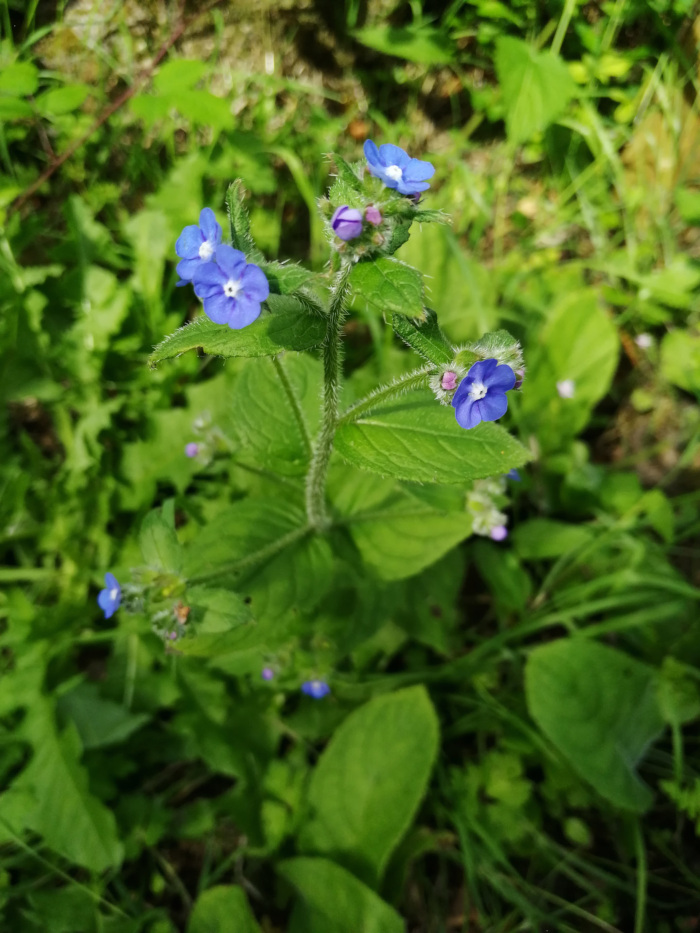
[285, 324]
[370, 780]
[424, 336]
[536, 87]
[389, 286]
[158, 542]
[398, 535]
[599, 707]
[334, 901]
[61, 809]
[417, 439]
[221, 622]
[222, 909]
[274, 562]
[277, 414]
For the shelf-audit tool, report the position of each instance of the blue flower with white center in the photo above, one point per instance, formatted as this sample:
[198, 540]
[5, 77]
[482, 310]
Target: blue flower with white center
[397, 169]
[108, 599]
[231, 288]
[481, 395]
[315, 688]
[197, 245]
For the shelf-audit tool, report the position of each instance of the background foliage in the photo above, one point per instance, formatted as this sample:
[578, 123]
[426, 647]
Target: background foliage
[511, 742]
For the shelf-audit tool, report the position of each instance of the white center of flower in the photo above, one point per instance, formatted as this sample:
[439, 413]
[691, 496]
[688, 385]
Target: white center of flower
[113, 593]
[478, 391]
[395, 173]
[206, 250]
[232, 288]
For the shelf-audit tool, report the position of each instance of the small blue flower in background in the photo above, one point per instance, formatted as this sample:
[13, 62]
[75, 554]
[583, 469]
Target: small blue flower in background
[514, 475]
[315, 688]
[108, 599]
[397, 169]
[481, 395]
[499, 533]
[267, 673]
[191, 449]
[347, 222]
[230, 288]
[197, 245]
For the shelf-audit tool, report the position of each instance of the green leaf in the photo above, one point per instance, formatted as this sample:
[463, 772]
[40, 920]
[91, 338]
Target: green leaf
[158, 542]
[680, 359]
[100, 722]
[424, 45]
[424, 336]
[62, 100]
[536, 87]
[60, 807]
[178, 74]
[389, 286]
[370, 780]
[266, 553]
[402, 536]
[417, 439]
[543, 538]
[599, 708]
[285, 324]
[346, 173]
[222, 622]
[222, 909]
[274, 421]
[19, 79]
[286, 278]
[677, 693]
[336, 901]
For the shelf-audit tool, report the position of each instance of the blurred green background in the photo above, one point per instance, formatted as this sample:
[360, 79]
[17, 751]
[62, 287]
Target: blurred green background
[566, 141]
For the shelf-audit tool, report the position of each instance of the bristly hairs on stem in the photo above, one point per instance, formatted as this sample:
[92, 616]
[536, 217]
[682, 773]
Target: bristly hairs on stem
[416, 379]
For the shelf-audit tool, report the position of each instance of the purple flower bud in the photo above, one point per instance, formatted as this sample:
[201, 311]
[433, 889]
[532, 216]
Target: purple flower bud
[347, 222]
[172, 636]
[315, 688]
[267, 673]
[499, 533]
[449, 381]
[372, 215]
[191, 449]
[519, 376]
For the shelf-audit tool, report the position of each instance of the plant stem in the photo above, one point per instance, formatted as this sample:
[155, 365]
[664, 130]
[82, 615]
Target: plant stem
[316, 478]
[413, 380]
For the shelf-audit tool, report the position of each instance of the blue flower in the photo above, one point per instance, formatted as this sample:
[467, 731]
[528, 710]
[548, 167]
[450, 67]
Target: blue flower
[197, 245]
[481, 395]
[514, 475]
[108, 599]
[397, 169]
[347, 222]
[315, 688]
[231, 288]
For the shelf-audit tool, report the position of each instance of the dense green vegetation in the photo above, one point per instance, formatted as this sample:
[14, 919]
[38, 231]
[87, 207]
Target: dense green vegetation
[510, 741]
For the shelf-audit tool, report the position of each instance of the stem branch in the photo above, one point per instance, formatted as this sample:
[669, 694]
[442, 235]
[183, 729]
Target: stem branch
[413, 380]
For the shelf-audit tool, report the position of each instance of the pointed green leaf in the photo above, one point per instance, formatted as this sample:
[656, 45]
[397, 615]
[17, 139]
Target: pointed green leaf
[423, 334]
[369, 782]
[389, 286]
[239, 222]
[599, 707]
[285, 324]
[419, 440]
[222, 909]
[333, 899]
[159, 544]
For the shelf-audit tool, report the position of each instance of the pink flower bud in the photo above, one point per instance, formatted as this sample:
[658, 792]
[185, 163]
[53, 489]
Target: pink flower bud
[449, 381]
[373, 216]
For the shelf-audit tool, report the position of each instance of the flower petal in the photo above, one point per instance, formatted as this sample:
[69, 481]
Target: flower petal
[467, 414]
[188, 243]
[371, 152]
[209, 226]
[482, 370]
[246, 311]
[218, 307]
[111, 582]
[492, 406]
[417, 170]
[232, 261]
[502, 378]
[411, 187]
[390, 154]
[186, 268]
[104, 601]
[255, 284]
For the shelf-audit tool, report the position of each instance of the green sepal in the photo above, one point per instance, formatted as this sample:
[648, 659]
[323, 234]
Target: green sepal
[239, 222]
[348, 174]
[424, 336]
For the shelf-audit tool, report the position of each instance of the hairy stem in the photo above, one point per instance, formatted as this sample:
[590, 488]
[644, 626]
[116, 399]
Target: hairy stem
[417, 379]
[316, 511]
